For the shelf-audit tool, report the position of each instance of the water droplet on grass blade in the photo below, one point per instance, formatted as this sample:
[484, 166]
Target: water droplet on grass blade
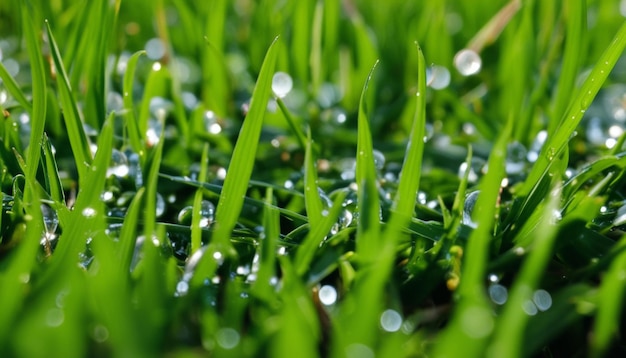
[89, 212]
[529, 308]
[470, 202]
[498, 294]
[119, 164]
[542, 299]
[155, 49]
[515, 158]
[327, 295]
[50, 218]
[281, 84]
[439, 77]
[379, 159]
[467, 62]
[227, 338]
[391, 321]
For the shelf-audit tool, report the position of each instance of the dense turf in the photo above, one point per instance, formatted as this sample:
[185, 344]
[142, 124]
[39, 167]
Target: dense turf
[312, 178]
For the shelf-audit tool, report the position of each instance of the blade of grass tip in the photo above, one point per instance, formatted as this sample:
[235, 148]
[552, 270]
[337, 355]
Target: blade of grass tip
[610, 303]
[78, 140]
[472, 321]
[14, 89]
[404, 202]
[509, 338]
[242, 162]
[312, 200]
[576, 18]
[368, 202]
[134, 135]
[317, 233]
[38, 76]
[196, 228]
[558, 139]
[262, 287]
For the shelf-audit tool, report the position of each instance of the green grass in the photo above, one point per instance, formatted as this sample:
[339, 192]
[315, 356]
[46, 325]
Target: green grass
[387, 205]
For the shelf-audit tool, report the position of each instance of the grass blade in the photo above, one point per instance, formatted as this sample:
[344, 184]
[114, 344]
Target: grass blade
[39, 95]
[408, 184]
[76, 133]
[242, 161]
[134, 135]
[558, 139]
[472, 322]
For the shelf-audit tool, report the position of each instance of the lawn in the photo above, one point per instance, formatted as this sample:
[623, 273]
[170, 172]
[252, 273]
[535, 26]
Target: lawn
[312, 178]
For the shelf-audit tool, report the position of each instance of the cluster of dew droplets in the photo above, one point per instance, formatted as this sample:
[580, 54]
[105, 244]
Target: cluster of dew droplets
[606, 117]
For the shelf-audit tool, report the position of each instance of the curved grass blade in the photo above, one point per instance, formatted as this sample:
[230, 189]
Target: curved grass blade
[408, 184]
[76, 133]
[134, 135]
[576, 12]
[368, 207]
[39, 96]
[242, 161]
[558, 139]
[151, 189]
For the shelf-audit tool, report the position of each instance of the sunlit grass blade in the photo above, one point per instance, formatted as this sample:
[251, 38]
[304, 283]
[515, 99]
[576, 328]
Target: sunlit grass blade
[76, 132]
[558, 139]
[216, 82]
[300, 47]
[242, 161]
[408, 184]
[472, 321]
[134, 135]
[509, 339]
[576, 18]
[39, 94]
[368, 234]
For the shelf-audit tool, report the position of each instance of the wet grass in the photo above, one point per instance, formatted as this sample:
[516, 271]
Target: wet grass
[320, 178]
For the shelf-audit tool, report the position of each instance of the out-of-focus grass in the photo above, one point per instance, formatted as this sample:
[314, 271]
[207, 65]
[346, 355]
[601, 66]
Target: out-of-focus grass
[176, 181]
